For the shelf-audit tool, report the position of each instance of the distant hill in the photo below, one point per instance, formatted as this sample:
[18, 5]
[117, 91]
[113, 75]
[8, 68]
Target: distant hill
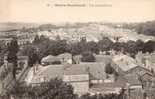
[91, 30]
[13, 26]
[146, 28]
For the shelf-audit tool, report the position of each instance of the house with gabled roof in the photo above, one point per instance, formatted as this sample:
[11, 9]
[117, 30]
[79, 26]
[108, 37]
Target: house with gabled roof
[138, 80]
[125, 62]
[91, 74]
[83, 77]
[138, 70]
[45, 74]
[146, 60]
[65, 58]
[134, 76]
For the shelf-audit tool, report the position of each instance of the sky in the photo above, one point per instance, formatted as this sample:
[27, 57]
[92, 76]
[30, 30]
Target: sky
[38, 11]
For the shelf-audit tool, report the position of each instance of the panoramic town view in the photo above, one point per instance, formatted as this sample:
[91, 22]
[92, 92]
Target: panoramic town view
[91, 60]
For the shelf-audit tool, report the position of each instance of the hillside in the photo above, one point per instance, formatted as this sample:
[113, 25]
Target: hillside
[73, 32]
[94, 31]
[15, 26]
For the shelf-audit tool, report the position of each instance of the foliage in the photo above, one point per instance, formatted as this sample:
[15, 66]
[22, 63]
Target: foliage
[54, 89]
[31, 52]
[146, 28]
[93, 47]
[36, 39]
[12, 54]
[12, 51]
[75, 48]
[149, 46]
[109, 69]
[44, 47]
[105, 44]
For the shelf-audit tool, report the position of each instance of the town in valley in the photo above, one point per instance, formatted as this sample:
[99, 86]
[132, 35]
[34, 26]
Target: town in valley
[77, 60]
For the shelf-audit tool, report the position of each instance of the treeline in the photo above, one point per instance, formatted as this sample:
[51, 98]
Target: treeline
[43, 46]
[146, 28]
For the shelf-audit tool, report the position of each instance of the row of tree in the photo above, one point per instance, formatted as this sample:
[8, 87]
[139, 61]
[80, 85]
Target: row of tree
[44, 46]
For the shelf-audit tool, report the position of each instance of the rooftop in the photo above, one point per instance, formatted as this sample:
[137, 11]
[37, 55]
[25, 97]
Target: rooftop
[49, 72]
[124, 62]
[95, 69]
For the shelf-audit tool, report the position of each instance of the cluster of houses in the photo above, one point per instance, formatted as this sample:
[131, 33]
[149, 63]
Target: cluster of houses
[23, 37]
[135, 76]
[137, 80]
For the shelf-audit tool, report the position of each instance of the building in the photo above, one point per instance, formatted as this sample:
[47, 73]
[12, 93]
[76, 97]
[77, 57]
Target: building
[65, 58]
[125, 62]
[44, 74]
[78, 77]
[138, 80]
[146, 60]
[49, 60]
[84, 77]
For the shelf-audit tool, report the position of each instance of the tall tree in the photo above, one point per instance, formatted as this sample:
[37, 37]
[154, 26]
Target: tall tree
[105, 44]
[149, 46]
[36, 39]
[139, 45]
[31, 52]
[93, 47]
[12, 54]
[109, 69]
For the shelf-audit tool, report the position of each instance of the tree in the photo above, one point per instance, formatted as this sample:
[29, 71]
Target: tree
[87, 57]
[93, 47]
[149, 46]
[31, 52]
[36, 39]
[109, 69]
[58, 47]
[12, 54]
[131, 48]
[75, 48]
[54, 89]
[105, 44]
[117, 46]
[83, 45]
[139, 45]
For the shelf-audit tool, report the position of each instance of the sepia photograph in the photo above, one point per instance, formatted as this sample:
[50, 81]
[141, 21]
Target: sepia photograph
[77, 49]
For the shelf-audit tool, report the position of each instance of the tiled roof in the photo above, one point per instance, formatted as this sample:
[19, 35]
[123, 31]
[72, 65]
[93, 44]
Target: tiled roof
[132, 79]
[152, 57]
[124, 62]
[96, 70]
[137, 69]
[103, 87]
[64, 55]
[75, 70]
[148, 76]
[50, 58]
[133, 75]
[50, 72]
